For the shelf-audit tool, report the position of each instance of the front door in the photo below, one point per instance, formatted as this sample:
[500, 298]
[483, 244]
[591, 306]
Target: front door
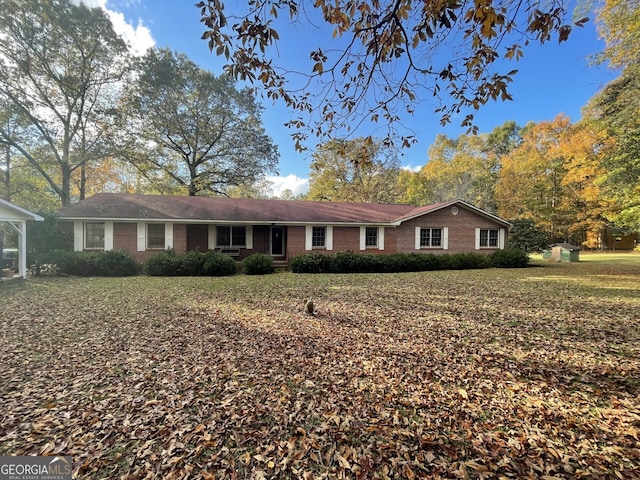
[277, 241]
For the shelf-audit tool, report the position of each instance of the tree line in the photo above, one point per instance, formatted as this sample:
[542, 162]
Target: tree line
[80, 114]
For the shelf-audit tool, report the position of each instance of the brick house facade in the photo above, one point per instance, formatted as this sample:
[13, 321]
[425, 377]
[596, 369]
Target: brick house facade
[146, 224]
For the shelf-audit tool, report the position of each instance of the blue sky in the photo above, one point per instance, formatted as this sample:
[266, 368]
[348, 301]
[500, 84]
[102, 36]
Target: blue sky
[552, 79]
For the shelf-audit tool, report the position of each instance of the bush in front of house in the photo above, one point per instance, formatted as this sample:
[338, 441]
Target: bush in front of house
[258, 264]
[510, 258]
[218, 264]
[311, 263]
[193, 263]
[350, 262]
[468, 261]
[112, 263]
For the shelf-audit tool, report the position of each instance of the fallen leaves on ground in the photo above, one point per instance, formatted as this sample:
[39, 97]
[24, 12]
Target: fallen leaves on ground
[529, 373]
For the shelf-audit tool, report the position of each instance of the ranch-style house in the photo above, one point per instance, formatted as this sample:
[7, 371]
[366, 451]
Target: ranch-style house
[146, 224]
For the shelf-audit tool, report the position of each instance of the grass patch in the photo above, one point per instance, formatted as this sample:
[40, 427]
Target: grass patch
[396, 376]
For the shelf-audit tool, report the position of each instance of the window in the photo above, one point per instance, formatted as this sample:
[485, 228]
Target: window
[371, 237]
[488, 238]
[94, 235]
[318, 236]
[430, 237]
[231, 236]
[155, 235]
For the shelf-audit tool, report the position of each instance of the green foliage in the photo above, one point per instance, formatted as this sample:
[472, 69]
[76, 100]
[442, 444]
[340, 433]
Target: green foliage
[511, 258]
[468, 261]
[349, 262]
[525, 235]
[112, 263]
[310, 263]
[44, 238]
[194, 263]
[218, 264]
[258, 264]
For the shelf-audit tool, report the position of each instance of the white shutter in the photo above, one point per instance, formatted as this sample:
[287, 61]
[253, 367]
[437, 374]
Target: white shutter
[308, 235]
[329, 238]
[445, 238]
[141, 235]
[78, 236]
[168, 235]
[108, 236]
[363, 238]
[249, 237]
[380, 238]
[501, 239]
[477, 239]
[417, 246]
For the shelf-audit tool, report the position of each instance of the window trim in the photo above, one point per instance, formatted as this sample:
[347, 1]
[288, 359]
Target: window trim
[314, 237]
[86, 236]
[231, 244]
[444, 238]
[148, 236]
[376, 231]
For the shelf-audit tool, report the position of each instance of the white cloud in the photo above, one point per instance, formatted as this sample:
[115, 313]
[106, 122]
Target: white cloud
[291, 182]
[138, 37]
[412, 168]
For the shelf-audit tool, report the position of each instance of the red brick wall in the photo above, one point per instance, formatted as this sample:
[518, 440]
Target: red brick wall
[295, 241]
[462, 231]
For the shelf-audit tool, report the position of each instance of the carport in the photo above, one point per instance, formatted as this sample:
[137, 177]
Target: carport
[16, 218]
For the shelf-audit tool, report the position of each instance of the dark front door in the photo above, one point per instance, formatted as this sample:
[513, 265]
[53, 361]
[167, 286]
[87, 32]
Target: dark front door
[277, 241]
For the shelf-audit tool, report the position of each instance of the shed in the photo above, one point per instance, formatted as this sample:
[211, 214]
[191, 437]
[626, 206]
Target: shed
[16, 218]
[564, 252]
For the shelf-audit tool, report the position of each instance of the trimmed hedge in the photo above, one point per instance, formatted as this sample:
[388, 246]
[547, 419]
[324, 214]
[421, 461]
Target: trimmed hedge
[511, 258]
[194, 263]
[112, 263]
[258, 264]
[350, 262]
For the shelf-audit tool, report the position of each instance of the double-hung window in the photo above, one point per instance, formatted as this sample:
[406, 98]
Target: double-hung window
[94, 236]
[371, 237]
[430, 237]
[155, 235]
[489, 238]
[319, 237]
[231, 236]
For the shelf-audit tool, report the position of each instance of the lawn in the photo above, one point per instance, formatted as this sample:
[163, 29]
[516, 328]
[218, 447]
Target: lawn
[531, 373]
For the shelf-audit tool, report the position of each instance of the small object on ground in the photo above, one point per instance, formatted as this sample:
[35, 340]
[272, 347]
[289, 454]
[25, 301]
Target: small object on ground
[309, 306]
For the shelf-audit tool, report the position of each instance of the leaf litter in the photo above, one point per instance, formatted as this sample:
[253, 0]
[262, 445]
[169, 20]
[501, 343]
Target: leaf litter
[479, 374]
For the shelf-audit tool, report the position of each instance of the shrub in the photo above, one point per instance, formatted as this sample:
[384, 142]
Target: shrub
[510, 258]
[218, 264]
[258, 264]
[191, 263]
[161, 264]
[310, 263]
[468, 261]
[113, 263]
[83, 264]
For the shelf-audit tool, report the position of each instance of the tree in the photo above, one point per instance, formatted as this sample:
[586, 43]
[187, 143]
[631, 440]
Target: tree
[614, 112]
[61, 67]
[465, 168]
[191, 130]
[359, 170]
[530, 179]
[525, 235]
[619, 25]
[386, 54]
